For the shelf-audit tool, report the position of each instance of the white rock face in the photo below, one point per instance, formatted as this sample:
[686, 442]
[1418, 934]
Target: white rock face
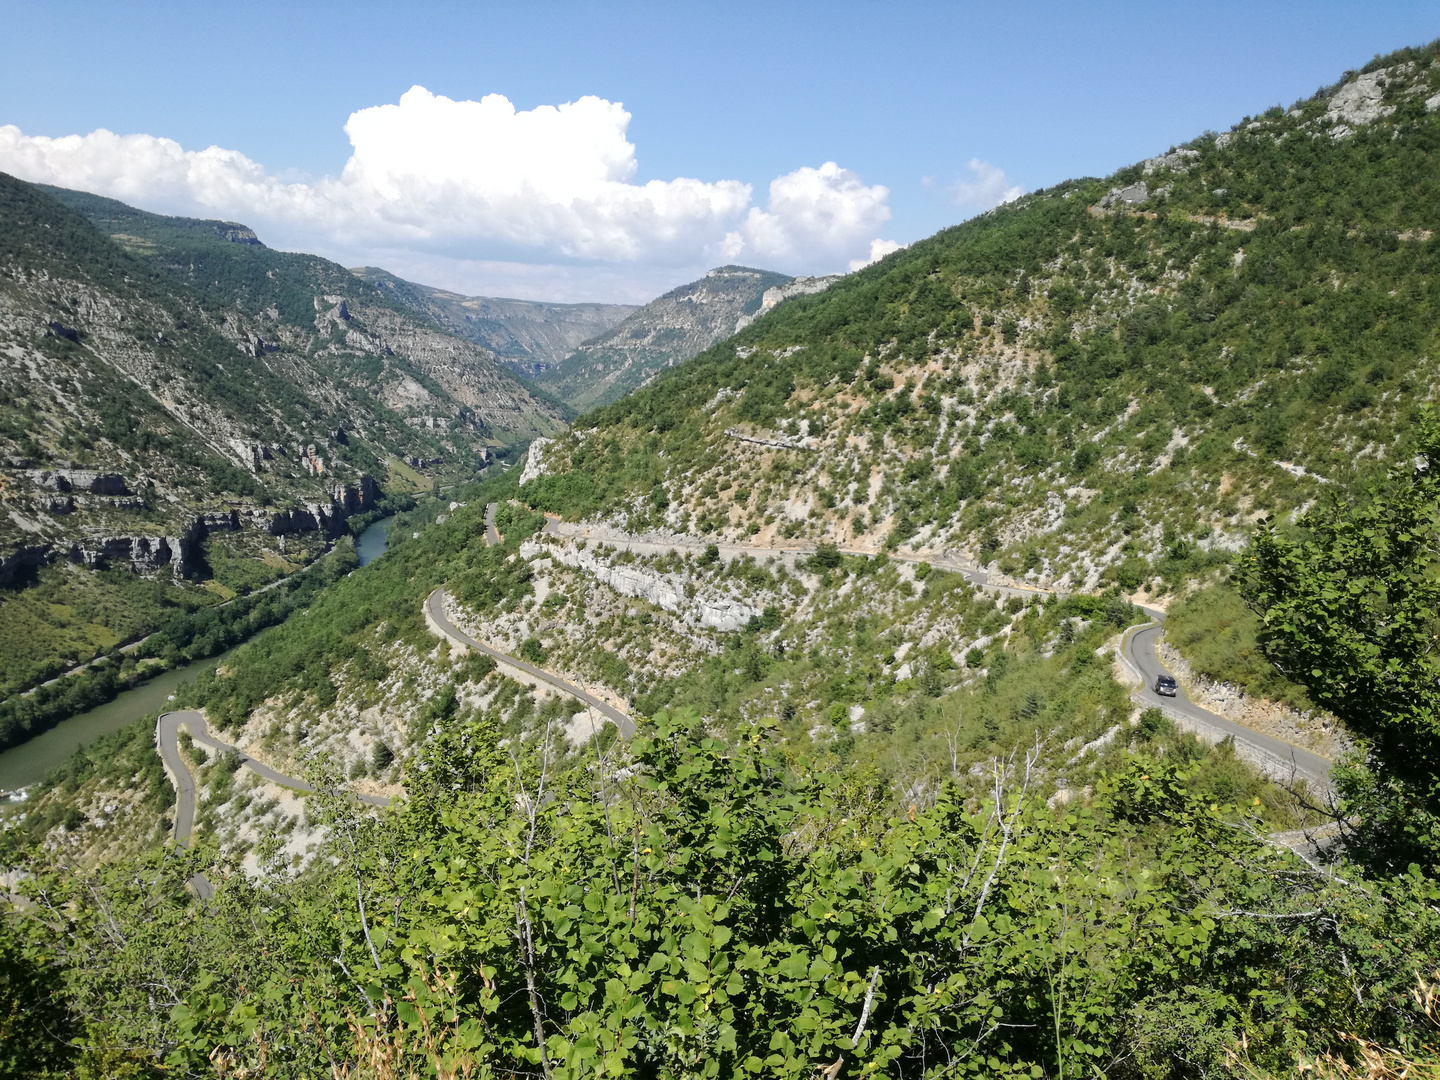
[1176, 161]
[780, 293]
[1432, 103]
[1358, 102]
[1128, 196]
[535, 461]
[666, 591]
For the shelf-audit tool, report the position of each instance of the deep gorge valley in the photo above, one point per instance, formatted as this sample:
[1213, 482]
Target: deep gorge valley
[765, 680]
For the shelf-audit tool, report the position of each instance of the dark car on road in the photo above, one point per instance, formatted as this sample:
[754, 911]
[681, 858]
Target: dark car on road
[1166, 686]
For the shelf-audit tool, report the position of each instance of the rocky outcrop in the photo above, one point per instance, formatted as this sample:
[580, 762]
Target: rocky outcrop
[251, 455]
[358, 497]
[24, 561]
[772, 439]
[148, 554]
[345, 501]
[1361, 101]
[778, 294]
[670, 592]
[144, 554]
[1131, 195]
[534, 461]
[79, 480]
[238, 234]
[1176, 161]
[219, 521]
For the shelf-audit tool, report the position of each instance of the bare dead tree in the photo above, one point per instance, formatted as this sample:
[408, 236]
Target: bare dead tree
[530, 806]
[1006, 823]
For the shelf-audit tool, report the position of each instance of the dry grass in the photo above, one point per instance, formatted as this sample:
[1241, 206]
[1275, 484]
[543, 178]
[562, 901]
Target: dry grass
[414, 1038]
[1369, 1060]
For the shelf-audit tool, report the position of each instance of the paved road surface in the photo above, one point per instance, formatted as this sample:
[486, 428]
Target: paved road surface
[555, 527]
[1275, 756]
[167, 739]
[1274, 752]
[491, 536]
[436, 605]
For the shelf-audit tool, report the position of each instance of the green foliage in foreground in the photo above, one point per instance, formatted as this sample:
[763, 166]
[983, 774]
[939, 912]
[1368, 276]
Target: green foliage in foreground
[689, 907]
[1352, 607]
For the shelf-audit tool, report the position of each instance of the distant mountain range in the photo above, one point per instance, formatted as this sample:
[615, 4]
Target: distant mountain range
[528, 336]
[591, 354]
[670, 330]
[179, 399]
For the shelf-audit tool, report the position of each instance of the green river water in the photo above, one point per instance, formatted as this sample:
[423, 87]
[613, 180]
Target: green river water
[27, 764]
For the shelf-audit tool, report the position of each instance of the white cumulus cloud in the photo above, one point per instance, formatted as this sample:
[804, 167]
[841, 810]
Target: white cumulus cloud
[878, 250]
[464, 183]
[825, 212]
[987, 187]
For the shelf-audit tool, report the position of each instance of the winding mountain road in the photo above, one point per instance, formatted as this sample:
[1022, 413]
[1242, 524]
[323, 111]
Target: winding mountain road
[1274, 756]
[167, 740]
[436, 607]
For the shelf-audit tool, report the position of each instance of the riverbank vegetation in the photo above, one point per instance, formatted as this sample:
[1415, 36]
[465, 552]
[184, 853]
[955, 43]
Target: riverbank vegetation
[181, 638]
[876, 821]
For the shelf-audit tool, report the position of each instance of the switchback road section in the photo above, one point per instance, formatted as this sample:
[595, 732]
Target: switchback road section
[167, 740]
[1273, 756]
[435, 606]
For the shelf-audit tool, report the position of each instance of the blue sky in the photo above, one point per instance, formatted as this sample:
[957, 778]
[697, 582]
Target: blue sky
[904, 96]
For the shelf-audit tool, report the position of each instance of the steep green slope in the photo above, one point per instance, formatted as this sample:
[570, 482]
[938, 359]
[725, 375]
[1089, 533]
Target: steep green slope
[188, 434]
[1106, 378]
[667, 331]
[316, 305]
[529, 336]
[877, 819]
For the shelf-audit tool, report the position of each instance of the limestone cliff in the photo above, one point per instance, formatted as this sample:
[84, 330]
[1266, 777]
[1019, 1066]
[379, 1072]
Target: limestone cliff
[179, 399]
[670, 330]
[528, 336]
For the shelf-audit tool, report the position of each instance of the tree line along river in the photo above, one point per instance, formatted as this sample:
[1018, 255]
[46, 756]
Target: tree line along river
[27, 764]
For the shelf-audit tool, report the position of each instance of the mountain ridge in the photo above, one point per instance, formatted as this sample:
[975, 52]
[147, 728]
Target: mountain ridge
[1103, 381]
[188, 404]
[669, 330]
[529, 336]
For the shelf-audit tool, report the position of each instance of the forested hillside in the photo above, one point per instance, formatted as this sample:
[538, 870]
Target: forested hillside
[1094, 382]
[883, 814]
[182, 404]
